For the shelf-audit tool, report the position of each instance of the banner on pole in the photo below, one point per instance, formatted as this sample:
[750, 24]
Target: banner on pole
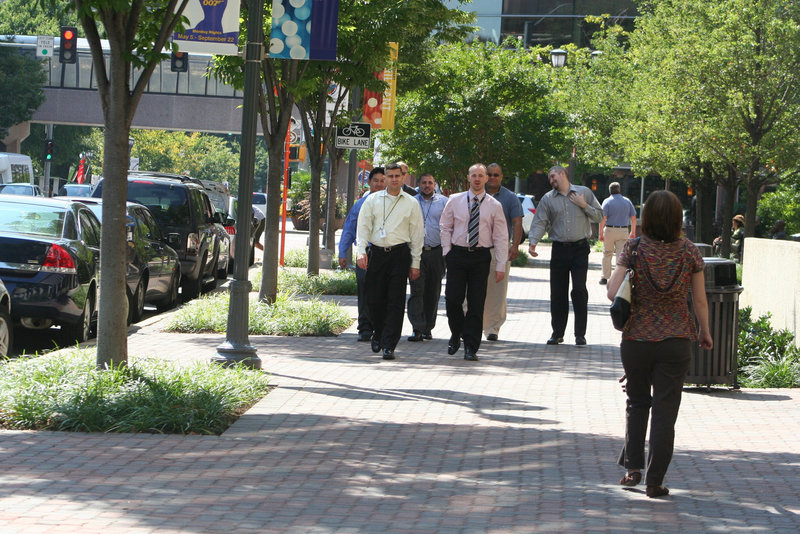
[304, 29]
[213, 28]
[390, 94]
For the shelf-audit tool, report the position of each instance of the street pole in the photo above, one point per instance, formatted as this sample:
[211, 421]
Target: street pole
[45, 183]
[237, 349]
[352, 168]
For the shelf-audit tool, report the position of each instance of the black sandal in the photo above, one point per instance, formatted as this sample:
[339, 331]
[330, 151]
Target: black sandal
[631, 479]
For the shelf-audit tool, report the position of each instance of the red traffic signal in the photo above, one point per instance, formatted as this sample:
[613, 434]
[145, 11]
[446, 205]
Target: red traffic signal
[179, 62]
[68, 47]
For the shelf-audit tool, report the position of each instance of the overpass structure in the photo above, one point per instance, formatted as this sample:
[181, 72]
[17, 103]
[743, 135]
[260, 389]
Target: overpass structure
[184, 101]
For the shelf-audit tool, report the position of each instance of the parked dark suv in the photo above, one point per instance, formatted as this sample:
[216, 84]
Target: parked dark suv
[185, 215]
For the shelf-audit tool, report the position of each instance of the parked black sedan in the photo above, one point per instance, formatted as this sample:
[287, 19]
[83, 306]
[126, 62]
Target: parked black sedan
[50, 263]
[6, 329]
[154, 270]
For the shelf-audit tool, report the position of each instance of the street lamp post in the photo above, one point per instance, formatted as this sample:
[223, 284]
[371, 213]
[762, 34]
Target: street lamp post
[558, 58]
[237, 349]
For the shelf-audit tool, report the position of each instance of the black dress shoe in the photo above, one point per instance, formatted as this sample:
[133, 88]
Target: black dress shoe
[470, 355]
[417, 336]
[554, 340]
[580, 340]
[491, 337]
[453, 345]
[388, 354]
[376, 344]
[364, 336]
[428, 336]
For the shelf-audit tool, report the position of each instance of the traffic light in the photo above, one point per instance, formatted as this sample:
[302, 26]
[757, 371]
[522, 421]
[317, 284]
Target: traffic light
[294, 152]
[68, 47]
[179, 62]
[49, 146]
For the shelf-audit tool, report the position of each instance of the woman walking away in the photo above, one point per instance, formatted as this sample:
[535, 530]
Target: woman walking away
[657, 340]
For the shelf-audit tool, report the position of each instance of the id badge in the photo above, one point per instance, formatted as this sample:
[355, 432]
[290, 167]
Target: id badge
[382, 233]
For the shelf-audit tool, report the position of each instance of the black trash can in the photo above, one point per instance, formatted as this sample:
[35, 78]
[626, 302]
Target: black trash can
[720, 364]
[705, 249]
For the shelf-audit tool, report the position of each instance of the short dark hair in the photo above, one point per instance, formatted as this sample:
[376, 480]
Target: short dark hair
[614, 188]
[423, 175]
[373, 172]
[393, 166]
[662, 216]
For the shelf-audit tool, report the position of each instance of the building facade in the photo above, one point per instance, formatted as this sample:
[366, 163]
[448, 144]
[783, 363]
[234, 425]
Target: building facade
[545, 22]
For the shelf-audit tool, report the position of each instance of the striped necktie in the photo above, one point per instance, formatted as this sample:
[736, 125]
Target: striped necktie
[474, 222]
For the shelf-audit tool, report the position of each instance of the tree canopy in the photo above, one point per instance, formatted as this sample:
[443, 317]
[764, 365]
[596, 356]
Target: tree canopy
[489, 103]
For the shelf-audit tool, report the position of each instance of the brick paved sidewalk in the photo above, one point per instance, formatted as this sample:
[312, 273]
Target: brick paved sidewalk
[524, 440]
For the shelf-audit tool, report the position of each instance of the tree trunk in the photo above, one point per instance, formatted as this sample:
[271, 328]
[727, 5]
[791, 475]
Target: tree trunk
[753, 194]
[730, 183]
[313, 222]
[706, 188]
[269, 268]
[112, 327]
[332, 198]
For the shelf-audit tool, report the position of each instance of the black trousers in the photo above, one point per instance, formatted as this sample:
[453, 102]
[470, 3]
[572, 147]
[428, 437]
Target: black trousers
[467, 274]
[423, 303]
[364, 324]
[655, 371]
[569, 260]
[386, 278]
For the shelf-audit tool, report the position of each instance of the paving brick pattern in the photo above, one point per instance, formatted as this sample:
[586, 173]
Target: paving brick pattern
[525, 440]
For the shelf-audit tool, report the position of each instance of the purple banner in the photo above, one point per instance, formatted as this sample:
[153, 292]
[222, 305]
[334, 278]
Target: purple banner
[324, 23]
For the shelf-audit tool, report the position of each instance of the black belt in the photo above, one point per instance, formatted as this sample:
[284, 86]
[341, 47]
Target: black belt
[379, 248]
[426, 247]
[612, 226]
[471, 249]
[571, 243]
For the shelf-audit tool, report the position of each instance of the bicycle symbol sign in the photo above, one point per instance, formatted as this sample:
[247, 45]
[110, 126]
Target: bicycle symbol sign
[354, 135]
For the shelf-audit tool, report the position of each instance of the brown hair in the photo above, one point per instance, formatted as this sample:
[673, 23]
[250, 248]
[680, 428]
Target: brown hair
[663, 216]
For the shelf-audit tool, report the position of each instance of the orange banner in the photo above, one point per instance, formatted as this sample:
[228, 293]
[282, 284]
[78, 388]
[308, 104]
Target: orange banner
[390, 94]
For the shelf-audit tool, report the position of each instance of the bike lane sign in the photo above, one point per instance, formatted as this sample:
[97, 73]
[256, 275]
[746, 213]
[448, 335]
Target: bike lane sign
[354, 135]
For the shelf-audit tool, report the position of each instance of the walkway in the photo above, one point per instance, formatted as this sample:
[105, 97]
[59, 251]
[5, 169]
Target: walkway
[522, 441]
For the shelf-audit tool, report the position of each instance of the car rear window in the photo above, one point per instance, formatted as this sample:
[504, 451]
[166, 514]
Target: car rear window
[34, 220]
[166, 203]
[259, 198]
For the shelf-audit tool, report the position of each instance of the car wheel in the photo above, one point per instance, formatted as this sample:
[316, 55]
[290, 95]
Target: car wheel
[6, 334]
[172, 299]
[80, 331]
[136, 302]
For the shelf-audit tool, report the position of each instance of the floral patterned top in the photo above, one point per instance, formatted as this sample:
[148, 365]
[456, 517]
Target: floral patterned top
[661, 282]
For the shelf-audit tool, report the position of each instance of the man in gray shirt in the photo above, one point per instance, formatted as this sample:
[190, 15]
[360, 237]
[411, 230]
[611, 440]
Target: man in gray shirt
[567, 211]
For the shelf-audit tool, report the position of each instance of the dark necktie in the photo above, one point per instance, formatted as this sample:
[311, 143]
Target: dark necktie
[474, 222]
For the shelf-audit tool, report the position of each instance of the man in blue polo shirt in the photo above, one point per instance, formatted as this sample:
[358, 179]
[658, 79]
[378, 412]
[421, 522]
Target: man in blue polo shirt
[377, 182]
[618, 224]
[423, 303]
[494, 310]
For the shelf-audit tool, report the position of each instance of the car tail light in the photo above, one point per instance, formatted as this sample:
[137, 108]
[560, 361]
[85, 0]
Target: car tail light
[231, 230]
[58, 259]
[192, 245]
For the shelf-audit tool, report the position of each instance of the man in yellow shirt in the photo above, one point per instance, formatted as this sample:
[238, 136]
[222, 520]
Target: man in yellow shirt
[390, 221]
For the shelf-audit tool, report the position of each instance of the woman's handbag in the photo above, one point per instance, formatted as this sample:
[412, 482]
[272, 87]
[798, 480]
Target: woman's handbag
[621, 306]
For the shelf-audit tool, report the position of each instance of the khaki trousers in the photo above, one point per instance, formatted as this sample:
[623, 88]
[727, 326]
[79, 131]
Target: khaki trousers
[494, 309]
[613, 241]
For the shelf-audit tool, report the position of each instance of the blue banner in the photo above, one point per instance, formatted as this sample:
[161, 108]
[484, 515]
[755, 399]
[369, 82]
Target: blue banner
[304, 29]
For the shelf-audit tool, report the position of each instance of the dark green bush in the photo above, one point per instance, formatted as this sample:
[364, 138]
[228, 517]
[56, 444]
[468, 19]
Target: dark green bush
[767, 357]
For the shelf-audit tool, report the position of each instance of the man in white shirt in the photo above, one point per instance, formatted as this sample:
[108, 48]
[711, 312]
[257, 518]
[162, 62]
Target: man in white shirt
[391, 222]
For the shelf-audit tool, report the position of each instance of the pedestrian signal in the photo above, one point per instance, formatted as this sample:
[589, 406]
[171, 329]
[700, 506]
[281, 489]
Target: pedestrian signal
[179, 62]
[68, 47]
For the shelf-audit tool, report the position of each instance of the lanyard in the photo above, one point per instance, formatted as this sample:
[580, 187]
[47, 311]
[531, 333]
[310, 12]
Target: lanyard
[386, 215]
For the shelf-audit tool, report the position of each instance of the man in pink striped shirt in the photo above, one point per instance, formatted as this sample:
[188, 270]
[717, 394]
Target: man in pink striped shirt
[472, 227]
